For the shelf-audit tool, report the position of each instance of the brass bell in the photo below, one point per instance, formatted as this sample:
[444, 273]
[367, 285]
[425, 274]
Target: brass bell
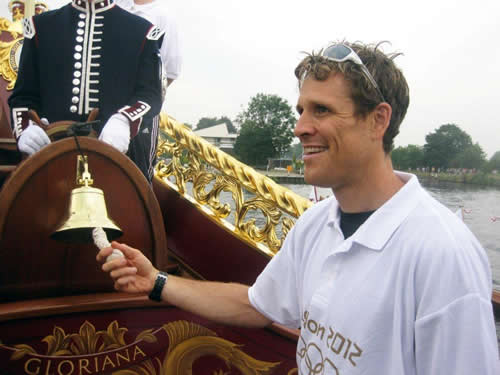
[87, 211]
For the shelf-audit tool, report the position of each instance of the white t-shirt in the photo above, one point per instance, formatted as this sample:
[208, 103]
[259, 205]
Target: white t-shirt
[156, 13]
[408, 293]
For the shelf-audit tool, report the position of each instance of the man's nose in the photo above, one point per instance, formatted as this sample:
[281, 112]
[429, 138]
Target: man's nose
[303, 126]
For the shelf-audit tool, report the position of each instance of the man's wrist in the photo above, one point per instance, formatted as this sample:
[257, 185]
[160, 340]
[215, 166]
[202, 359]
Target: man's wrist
[159, 284]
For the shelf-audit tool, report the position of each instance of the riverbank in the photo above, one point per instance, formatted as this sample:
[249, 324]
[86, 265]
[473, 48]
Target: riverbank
[483, 179]
[283, 176]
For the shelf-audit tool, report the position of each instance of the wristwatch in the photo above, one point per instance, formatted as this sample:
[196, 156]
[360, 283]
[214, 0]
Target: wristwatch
[160, 282]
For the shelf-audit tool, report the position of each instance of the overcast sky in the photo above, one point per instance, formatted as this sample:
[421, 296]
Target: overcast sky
[234, 49]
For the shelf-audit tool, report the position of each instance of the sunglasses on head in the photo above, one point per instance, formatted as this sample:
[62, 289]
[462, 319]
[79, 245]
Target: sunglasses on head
[341, 52]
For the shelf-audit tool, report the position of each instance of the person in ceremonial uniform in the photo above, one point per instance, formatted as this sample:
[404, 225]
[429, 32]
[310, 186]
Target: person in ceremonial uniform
[86, 55]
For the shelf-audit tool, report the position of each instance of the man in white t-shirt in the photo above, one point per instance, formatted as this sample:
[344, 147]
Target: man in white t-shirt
[380, 277]
[155, 11]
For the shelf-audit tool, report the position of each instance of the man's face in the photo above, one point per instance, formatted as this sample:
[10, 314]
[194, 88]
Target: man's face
[338, 146]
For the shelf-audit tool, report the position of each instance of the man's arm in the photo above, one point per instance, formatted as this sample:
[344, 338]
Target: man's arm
[458, 339]
[226, 303]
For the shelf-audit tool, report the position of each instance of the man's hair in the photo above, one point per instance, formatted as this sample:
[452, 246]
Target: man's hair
[389, 78]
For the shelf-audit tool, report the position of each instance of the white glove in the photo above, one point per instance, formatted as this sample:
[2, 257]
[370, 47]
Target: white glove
[116, 132]
[32, 139]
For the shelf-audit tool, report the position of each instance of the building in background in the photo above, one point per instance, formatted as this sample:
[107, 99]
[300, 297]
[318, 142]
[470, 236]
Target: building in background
[219, 136]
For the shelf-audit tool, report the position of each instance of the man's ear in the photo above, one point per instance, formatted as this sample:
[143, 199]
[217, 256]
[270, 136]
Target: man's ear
[381, 119]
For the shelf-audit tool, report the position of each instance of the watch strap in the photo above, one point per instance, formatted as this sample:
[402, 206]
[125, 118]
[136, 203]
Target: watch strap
[161, 280]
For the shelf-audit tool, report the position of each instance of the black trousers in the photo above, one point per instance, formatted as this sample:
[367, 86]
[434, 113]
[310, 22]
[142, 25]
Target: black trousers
[142, 148]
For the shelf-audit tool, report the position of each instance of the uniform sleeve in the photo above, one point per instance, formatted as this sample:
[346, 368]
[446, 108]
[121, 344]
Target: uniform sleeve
[275, 292]
[458, 339]
[146, 100]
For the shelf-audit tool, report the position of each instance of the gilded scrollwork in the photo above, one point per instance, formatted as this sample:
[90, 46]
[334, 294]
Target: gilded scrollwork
[10, 49]
[17, 8]
[185, 157]
[107, 351]
[190, 341]
[86, 341]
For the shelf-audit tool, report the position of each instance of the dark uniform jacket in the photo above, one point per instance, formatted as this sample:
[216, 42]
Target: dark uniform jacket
[85, 55]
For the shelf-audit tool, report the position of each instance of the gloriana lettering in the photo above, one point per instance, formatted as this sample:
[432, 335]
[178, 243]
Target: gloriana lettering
[32, 370]
[107, 362]
[119, 356]
[83, 366]
[138, 351]
[70, 367]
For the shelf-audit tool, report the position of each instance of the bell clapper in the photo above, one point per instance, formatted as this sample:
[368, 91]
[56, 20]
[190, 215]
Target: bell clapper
[101, 241]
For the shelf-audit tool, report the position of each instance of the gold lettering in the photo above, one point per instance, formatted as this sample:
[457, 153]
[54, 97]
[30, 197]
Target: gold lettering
[330, 335]
[81, 365]
[321, 331]
[59, 368]
[120, 356]
[349, 342]
[328, 361]
[137, 351]
[339, 349]
[357, 354]
[107, 361]
[312, 326]
[48, 367]
[37, 369]
[96, 365]
[306, 316]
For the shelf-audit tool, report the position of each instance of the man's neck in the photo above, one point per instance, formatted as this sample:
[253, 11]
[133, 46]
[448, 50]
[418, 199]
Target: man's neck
[142, 2]
[369, 190]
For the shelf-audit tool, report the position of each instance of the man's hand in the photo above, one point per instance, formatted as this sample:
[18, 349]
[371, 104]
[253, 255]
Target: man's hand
[32, 139]
[116, 132]
[132, 273]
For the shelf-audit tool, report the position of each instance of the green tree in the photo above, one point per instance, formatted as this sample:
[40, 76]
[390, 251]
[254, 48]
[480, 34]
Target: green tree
[207, 122]
[409, 157]
[295, 151]
[494, 162]
[444, 145]
[266, 116]
[253, 144]
[471, 157]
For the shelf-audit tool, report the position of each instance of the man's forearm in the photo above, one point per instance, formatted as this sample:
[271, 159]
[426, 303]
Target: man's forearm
[226, 303]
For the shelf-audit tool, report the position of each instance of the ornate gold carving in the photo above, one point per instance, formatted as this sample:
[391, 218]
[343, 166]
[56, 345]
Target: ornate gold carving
[9, 59]
[14, 28]
[16, 7]
[190, 341]
[187, 343]
[186, 157]
[10, 50]
[87, 341]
